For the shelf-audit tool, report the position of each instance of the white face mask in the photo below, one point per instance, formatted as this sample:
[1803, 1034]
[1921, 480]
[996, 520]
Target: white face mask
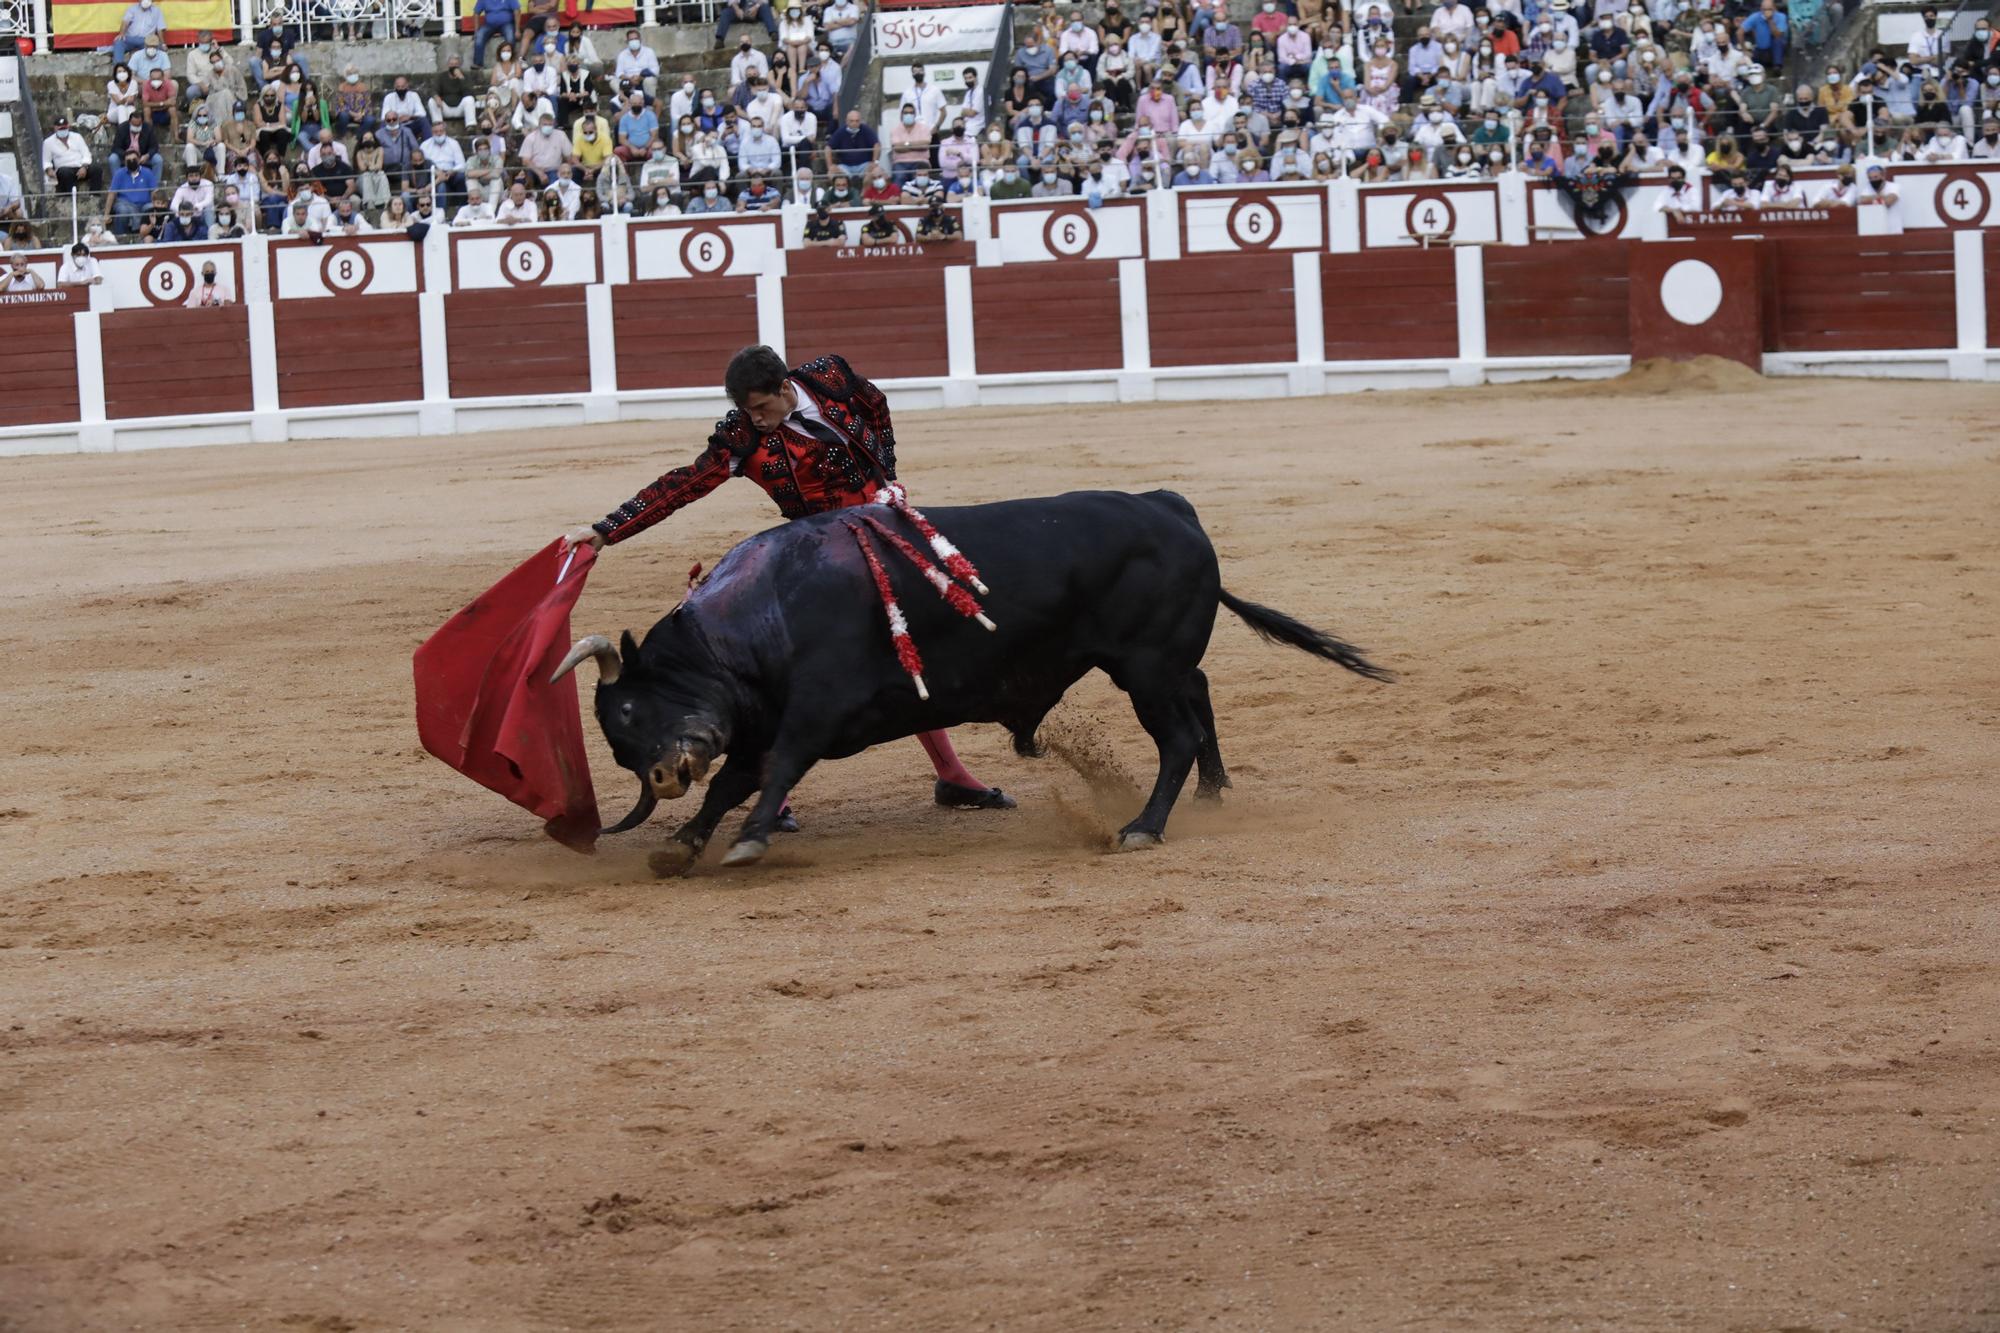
[632, 45]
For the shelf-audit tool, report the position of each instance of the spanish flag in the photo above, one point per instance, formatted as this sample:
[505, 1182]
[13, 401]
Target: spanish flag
[587, 12]
[85, 25]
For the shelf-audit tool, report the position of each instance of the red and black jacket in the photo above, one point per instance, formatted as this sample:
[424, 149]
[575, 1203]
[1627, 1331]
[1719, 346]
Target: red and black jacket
[804, 474]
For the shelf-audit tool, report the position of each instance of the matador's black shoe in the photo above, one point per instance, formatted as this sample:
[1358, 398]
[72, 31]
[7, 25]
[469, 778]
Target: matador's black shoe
[954, 797]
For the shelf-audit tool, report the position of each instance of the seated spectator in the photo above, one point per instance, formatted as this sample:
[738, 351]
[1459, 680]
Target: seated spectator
[732, 12]
[159, 103]
[353, 104]
[710, 200]
[759, 196]
[518, 208]
[442, 164]
[142, 21]
[798, 128]
[78, 268]
[637, 64]
[758, 150]
[1734, 196]
[184, 225]
[233, 221]
[493, 18]
[822, 230]
[1781, 191]
[840, 193]
[348, 219]
[879, 230]
[881, 188]
[131, 194]
[543, 151]
[198, 192]
[637, 129]
[454, 98]
[475, 212]
[839, 25]
[21, 278]
[1841, 193]
[121, 96]
[661, 203]
[590, 138]
[66, 161]
[401, 102]
[851, 149]
[920, 188]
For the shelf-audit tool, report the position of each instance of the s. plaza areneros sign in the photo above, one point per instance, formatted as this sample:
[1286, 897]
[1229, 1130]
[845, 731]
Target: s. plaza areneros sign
[923, 32]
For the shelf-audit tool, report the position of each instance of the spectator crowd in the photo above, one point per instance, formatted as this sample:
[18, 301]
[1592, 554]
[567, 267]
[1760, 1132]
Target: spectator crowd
[549, 121]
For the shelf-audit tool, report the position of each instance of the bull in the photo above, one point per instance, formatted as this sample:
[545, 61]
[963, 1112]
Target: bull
[780, 658]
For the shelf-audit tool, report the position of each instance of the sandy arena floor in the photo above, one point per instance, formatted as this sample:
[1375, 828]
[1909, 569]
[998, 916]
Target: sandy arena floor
[1629, 965]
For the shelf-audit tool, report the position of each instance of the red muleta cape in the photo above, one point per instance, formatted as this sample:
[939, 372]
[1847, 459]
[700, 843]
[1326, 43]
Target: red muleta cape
[485, 705]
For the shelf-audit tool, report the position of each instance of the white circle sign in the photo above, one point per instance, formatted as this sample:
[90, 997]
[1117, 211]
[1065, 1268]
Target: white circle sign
[526, 261]
[1430, 217]
[347, 269]
[1071, 234]
[1253, 224]
[166, 280]
[1962, 199]
[1691, 292]
[706, 252]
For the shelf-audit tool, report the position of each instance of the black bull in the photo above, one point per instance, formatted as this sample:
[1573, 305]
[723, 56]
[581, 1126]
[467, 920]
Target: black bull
[782, 657]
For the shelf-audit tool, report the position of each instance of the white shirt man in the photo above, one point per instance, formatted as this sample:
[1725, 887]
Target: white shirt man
[1946, 145]
[1218, 108]
[475, 211]
[1986, 148]
[64, 148]
[926, 97]
[767, 106]
[1145, 46]
[749, 63]
[1680, 197]
[758, 151]
[642, 63]
[1452, 19]
[1781, 194]
[514, 212]
[1645, 157]
[1927, 43]
[847, 15]
[797, 127]
[442, 153]
[1840, 194]
[1355, 127]
[683, 102]
[1433, 134]
[542, 82]
[78, 272]
[409, 107]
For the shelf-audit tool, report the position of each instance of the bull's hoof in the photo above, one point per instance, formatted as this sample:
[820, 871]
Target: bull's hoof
[787, 822]
[747, 852]
[954, 797]
[1138, 840]
[676, 858]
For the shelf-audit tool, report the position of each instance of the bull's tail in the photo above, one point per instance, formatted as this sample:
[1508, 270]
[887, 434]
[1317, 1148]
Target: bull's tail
[1277, 627]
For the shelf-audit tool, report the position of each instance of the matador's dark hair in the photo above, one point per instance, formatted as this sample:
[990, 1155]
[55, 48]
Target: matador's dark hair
[754, 370]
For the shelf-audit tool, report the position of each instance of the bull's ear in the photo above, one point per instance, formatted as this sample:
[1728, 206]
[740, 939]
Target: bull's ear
[628, 650]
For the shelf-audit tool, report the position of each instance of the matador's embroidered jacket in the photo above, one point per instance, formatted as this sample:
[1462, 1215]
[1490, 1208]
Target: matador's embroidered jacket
[804, 474]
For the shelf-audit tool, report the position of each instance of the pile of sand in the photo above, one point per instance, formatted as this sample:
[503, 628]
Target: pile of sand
[1657, 375]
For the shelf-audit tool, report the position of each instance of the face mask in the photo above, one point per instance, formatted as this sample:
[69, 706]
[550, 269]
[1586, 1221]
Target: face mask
[707, 103]
[295, 78]
[1010, 175]
[548, 129]
[687, 127]
[708, 193]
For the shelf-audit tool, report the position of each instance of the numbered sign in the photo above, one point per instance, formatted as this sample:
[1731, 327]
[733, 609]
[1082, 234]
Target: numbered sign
[703, 247]
[1396, 214]
[1029, 230]
[1223, 219]
[1963, 200]
[526, 257]
[1431, 217]
[347, 270]
[166, 280]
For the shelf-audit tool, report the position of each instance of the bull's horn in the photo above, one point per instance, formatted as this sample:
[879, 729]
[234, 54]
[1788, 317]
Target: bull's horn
[640, 812]
[597, 646]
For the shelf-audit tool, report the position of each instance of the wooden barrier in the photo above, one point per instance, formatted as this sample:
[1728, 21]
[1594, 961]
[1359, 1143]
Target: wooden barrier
[1867, 293]
[1221, 309]
[1991, 247]
[1389, 305]
[348, 349]
[1557, 301]
[503, 342]
[174, 362]
[678, 333]
[38, 371]
[1059, 316]
[875, 312]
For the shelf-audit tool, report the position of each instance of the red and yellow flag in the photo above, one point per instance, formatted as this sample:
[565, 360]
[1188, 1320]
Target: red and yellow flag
[85, 25]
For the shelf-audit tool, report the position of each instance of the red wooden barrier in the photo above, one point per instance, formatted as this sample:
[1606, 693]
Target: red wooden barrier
[348, 349]
[680, 334]
[1221, 310]
[521, 340]
[173, 362]
[1992, 244]
[1389, 304]
[1866, 293]
[1704, 298]
[1558, 300]
[38, 371]
[1040, 317]
[886, 319]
